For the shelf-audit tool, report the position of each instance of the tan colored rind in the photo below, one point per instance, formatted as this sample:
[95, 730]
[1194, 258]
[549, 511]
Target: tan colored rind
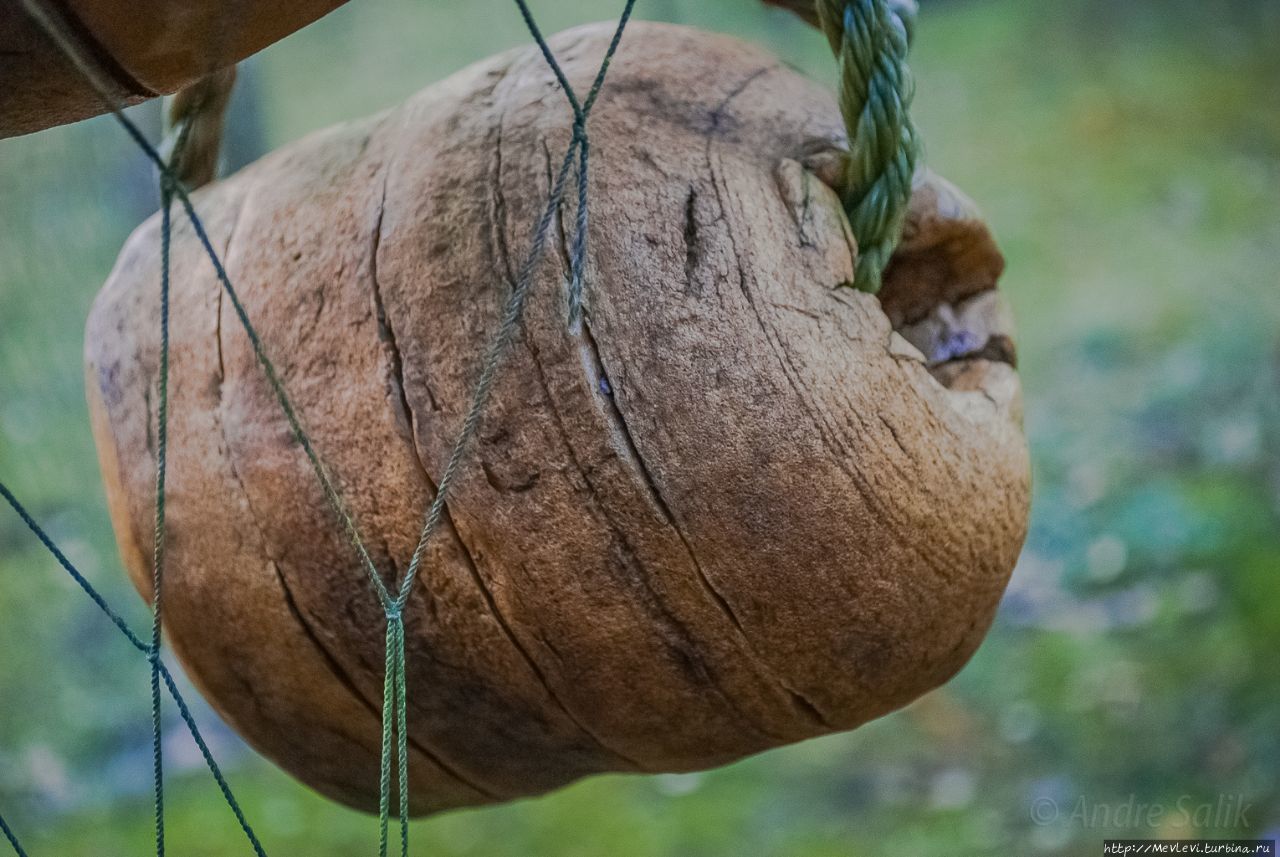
[735, 510]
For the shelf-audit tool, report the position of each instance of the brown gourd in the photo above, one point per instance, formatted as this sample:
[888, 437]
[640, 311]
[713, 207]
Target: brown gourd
[736, 509]
[144, 47]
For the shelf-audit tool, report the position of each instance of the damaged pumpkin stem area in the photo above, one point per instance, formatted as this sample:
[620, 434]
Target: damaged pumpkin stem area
[870, 39]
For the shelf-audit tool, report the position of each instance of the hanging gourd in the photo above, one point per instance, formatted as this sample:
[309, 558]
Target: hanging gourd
[144, 48]
[733, 504]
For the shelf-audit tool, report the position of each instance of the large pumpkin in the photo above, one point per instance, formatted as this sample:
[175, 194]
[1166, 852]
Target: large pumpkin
[735, 510]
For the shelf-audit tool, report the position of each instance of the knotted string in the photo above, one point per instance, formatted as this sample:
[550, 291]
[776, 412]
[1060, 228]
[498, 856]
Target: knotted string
[395, 695]
[578, 253]
[513, 312]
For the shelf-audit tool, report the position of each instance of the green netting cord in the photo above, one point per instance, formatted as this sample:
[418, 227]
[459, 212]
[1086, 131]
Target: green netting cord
[870, 39]
[394, 713]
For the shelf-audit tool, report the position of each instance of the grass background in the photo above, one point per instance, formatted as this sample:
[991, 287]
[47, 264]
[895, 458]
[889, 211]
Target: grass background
[1128, 157]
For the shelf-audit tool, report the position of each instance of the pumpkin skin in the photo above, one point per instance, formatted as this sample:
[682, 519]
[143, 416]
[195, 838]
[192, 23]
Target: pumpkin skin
[733, 511]
[145, 48]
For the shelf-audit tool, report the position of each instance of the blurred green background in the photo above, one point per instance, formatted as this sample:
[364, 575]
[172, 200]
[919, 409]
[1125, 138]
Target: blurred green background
[1128, 155]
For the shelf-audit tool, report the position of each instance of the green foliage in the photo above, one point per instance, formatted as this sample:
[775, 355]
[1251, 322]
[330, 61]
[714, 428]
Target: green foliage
[1128, 155]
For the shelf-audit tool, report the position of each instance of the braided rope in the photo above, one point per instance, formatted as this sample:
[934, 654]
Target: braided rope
[870, 39]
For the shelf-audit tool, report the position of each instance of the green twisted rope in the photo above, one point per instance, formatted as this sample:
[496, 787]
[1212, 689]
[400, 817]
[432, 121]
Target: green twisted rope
[158, 556]
[870, 39]
[394, 725]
